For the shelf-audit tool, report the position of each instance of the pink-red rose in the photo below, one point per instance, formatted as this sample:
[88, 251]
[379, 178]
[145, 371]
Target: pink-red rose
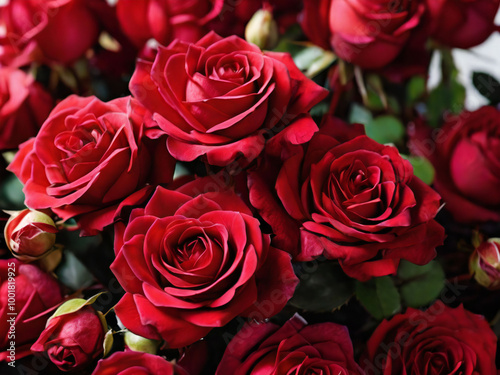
[166, 20]
[34, 294]
[370, 34]
[90, 157]
[295, 348]
[122, 363]
[440, 340]
[58, 30]
[24, 106]
[72, 340]
[348, 198]
[191, 261]
[462, 23]
[466, 155]
[224, 98]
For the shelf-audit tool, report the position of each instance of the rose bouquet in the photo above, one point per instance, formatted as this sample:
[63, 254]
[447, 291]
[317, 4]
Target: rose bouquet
[248, 187]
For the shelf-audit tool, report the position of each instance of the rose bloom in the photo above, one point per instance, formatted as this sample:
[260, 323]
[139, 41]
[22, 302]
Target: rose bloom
[130, 362]
[366, 33]
[466, 156]
[440, 340]
[295, 348]
[72, 340]
[348, 198]
[89, 158]
[37, 294]
[235, 15]
[462, 23]
[60, 31]
[190, 261]
[24, 107]
[224, 97]
[166, 20]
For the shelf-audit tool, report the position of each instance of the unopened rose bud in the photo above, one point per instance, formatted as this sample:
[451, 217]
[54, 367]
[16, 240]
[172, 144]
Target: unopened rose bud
[262, 30]
[485, 264]
[30, 234]
[74, 335]
[141, 344]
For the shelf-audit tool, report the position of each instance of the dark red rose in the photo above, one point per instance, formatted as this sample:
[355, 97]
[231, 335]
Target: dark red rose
[24, 107]
[366, 33]
[352, 198]
[295, 348]
[36, 296]
[166, 20]
[88, 158]
[462, 23]
[73, 340]
[235, 15]
[466, 155]
[141, 363]
[190, 261]
[440, 340]
[59, 30]
[224, 97]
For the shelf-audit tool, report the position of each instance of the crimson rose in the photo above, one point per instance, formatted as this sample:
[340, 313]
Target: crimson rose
[90, 157]
[466, 155]
[224, 97]
[190, 261]
[440, 340]
[24, 106]
[462, 23]
[295, 348]
[122, 363]
[353, 199]
[36, 295]
[366, 33]
[166, 20]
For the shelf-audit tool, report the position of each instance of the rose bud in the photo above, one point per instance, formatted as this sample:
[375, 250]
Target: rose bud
[262, 30]
[484, 264]
[74, 335]
[140, 344]
[30, 234]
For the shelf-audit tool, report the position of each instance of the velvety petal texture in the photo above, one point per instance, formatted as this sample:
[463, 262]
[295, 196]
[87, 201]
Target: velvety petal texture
[438, 341]
[353, 199]
[130, 362]
[295, 348]
[223, 98]
[194, 259]
[89, 158]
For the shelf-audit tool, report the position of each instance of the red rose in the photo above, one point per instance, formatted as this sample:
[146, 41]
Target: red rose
[366, 33]
[462, 23]
[353, 199]
[466, 155]
[295, 348]
[73, 340]
[190, 261]
[224, 97]
[440, 340]
[62, 30]
[166, 20]
[24, 107]
[88, 158]
[235, 15]
[36, 295]
[140, 363]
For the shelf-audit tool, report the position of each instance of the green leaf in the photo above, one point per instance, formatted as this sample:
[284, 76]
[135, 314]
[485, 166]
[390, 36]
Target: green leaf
[74, 305]
[422, 168]
[323, 287]
[488, 86]
[421, 285]
[379, 297]
[11, 193]
[385, 129]
[360, 115]
[415, 89]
